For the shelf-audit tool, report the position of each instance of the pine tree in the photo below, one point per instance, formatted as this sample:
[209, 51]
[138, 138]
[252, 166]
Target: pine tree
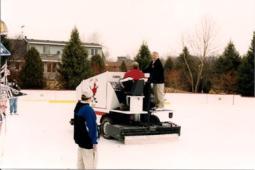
[246, 74]
[123, 66]
[143, 57]
[187, 64]
[168, 64]
[229, 60]
[167, 71]
[226, 70]
[75, 65]
[31, 74]
[97, 64]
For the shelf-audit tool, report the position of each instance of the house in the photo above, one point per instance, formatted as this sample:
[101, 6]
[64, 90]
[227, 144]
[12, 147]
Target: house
[115, 65]
[50, 53]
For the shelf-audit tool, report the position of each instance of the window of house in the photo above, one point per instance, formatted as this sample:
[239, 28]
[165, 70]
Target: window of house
[49, 67]
[92, 51]
[46, 49]
[44, 67]
[54, 67]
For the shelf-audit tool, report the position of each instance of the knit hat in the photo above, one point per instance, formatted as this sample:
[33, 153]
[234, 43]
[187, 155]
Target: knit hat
[86, 94]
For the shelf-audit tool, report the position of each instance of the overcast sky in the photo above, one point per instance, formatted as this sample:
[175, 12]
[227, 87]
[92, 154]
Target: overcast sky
[122, 25]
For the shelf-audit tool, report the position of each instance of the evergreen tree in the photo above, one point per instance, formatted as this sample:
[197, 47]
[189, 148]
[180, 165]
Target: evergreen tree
[187, 65]
[167, 71]
[97, 64]
[168, 64]
[123, 66]
[31, 74]
[143, 57]
[226, 70]
[229, 60]
[246, 72]
[75, 65]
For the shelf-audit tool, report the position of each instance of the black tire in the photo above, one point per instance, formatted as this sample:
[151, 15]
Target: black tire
[155, 120]
[106, 120]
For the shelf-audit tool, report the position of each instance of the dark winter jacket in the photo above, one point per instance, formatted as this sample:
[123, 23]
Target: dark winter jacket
[156, 71]
[79, 104]
[15, 90]
[14, 85]
[85, 127]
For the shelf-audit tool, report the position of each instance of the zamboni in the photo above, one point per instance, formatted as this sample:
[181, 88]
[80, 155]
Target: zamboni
[122, 106]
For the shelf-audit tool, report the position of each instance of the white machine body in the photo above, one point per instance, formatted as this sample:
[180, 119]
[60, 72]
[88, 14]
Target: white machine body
[104, 96]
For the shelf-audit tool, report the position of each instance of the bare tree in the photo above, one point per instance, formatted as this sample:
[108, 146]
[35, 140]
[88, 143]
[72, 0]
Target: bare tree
[201, 45]
[106, 53]
[95, 37]
[188, 66]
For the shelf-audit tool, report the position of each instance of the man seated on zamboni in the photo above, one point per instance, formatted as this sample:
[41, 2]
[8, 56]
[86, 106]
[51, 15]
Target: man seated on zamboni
[133, 84]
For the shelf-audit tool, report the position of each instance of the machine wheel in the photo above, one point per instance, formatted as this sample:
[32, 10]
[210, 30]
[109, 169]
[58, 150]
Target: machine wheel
[105, 121]
[155, 120]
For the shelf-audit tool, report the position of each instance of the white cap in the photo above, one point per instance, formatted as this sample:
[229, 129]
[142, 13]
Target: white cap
[87, 93]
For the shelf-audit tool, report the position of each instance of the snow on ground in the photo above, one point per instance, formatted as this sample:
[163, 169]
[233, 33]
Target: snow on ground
[217, 132]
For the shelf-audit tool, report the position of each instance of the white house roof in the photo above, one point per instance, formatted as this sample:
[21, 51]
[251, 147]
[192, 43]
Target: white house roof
[60, 43]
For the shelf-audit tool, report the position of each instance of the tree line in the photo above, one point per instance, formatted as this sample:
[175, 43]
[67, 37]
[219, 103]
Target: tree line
[228, 73]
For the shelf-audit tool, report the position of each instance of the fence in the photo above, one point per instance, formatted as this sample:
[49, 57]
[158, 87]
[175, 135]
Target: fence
[174, 98]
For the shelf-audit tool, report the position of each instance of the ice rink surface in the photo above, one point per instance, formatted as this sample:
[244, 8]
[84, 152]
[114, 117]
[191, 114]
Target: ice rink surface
[218, 131]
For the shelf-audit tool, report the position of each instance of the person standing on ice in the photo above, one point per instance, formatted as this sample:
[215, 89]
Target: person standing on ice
[85, 133]
[156, 71]
[3, 101]
[13, 100]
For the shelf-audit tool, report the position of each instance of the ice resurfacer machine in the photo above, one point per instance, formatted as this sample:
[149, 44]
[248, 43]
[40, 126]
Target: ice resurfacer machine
[121, 104]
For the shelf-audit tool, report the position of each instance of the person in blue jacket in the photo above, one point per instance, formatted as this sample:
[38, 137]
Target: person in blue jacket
[85, 132]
